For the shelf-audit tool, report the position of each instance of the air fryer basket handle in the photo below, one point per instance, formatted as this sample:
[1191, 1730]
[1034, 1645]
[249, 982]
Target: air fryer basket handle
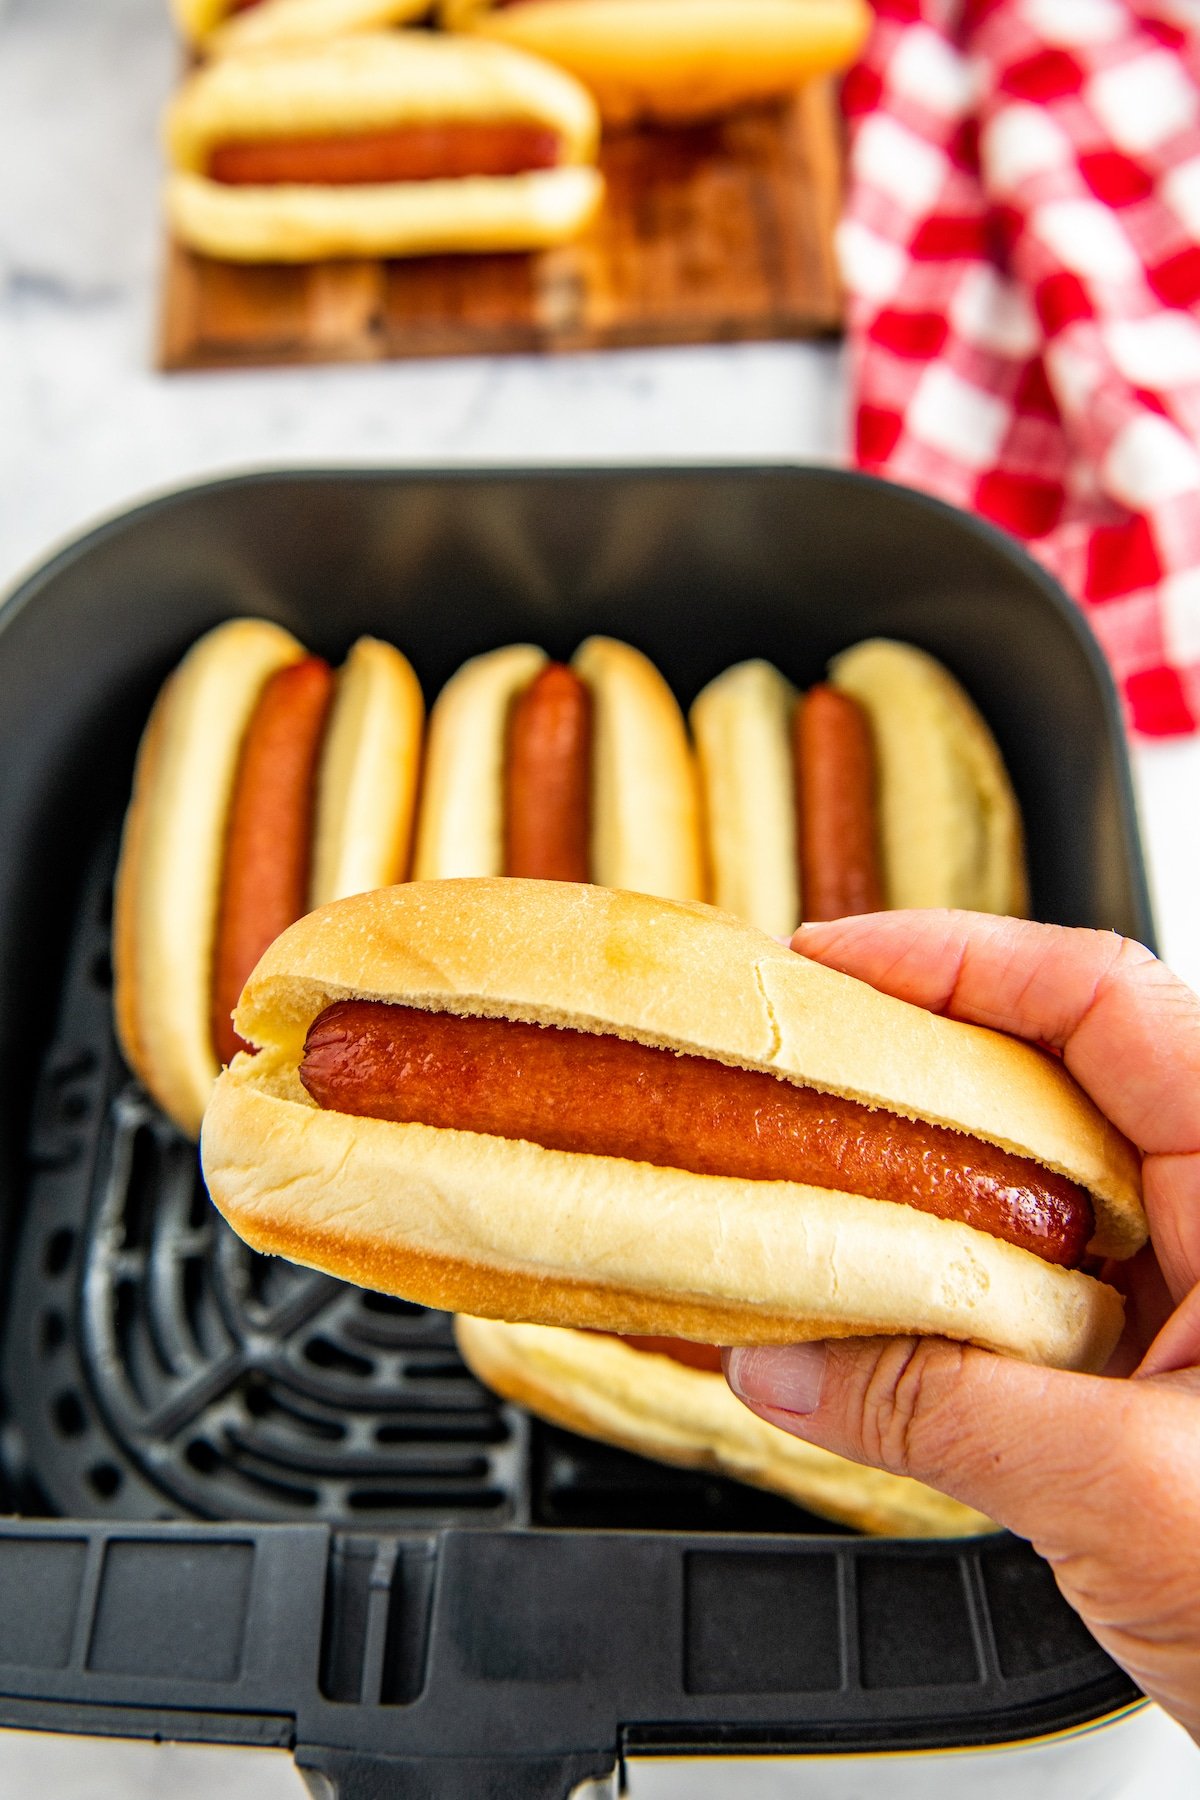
[348, 1775]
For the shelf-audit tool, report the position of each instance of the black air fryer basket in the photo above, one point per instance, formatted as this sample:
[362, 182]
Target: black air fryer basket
[253, 1505]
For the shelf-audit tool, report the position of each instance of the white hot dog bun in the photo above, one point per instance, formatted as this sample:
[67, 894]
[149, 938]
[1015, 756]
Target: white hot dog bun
[505, 1228]
[658, 1407]
[174, 842]
[676, 59]
[215, 28]
[949, 825]
[377, 82]
[645, 828]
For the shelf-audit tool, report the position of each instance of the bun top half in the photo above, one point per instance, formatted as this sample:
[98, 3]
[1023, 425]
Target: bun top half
[684, 976]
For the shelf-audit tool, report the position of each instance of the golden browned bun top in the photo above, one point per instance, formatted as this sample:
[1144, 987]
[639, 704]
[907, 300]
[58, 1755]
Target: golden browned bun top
[685, 976]
[375, 81]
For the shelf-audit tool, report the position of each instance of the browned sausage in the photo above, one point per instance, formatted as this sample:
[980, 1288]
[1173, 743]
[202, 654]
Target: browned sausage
[403, 153]
[547, 778]
[583, 1091]
[692, 1356]
[268, 840]
[838, 829]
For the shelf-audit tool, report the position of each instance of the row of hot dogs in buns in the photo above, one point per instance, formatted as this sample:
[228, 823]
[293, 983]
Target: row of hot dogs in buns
[657, 59]
[268, 785]
[325, 136]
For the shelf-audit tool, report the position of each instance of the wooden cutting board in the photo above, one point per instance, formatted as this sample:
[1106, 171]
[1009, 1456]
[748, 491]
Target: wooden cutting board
[709, 234]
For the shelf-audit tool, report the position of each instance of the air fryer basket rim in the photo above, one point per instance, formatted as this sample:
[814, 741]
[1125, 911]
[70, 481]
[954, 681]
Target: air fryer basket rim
[502, 1660]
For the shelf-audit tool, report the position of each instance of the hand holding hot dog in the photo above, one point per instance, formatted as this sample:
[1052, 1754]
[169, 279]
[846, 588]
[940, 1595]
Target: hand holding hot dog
[1102, 1475]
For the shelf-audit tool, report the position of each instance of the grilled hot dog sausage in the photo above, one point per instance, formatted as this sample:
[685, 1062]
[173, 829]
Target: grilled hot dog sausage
[835, 796]
[404, 153]
[264, 878]
[547, 778]
[601, 1095]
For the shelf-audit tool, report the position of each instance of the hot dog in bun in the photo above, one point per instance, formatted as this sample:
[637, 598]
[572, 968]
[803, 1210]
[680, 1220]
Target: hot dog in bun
[217, 27]
[882, 787]
[265, 784]
[667, 1399]
[676, 59]
[382, 144]
[565, 1105]
[579, 773]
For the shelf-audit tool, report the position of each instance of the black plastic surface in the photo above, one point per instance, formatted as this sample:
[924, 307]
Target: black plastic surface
[154, 1370]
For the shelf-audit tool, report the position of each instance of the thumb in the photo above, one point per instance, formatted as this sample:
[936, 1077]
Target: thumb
[1019, 1443]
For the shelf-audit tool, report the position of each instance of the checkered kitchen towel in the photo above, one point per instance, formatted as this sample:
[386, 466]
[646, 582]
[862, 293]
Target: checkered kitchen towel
[1021, 249]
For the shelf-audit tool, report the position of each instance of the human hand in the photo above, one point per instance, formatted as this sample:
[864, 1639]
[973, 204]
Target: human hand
[1101, 1473]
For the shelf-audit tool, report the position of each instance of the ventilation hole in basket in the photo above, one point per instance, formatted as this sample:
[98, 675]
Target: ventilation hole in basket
[415, 1499]
[102, 970]
[290, 1493]
[261, 1403]
[104, 1478]
[200, 1207]
[195, 1290]
[60, 1248]
[389, 1305]
[54, 1332]
[74, 1106]
[202, 1456]
[141, 1186]
[69, 1415]
[323, 1354]
[473, 1429]
[442, 1371]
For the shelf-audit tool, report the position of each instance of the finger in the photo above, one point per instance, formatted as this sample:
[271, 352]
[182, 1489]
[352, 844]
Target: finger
[1025, 1445]
[1129, 1030]
[1177, 1345]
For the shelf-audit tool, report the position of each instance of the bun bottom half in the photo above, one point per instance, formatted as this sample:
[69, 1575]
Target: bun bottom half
[506, 1229]
[410, 218]
[659, 1408]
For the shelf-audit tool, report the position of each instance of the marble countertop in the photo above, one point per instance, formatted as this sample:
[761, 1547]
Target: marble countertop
[87, 427]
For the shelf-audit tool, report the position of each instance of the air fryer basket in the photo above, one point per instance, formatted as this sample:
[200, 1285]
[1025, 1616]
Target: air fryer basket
[256, 1505]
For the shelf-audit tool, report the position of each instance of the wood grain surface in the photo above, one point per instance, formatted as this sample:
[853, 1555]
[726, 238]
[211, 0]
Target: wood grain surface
[709, 234]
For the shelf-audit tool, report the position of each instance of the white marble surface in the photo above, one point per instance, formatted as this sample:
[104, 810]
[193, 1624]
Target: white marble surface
[86, 427]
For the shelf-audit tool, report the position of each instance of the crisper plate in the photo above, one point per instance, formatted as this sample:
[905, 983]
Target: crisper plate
[254, 1504]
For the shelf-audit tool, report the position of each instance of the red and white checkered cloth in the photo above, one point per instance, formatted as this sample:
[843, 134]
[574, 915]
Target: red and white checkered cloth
[1021, 250]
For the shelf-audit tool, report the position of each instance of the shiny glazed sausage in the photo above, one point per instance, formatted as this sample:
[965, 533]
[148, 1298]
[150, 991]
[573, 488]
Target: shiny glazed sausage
[268, 840]
[593, 1093]
[404, 153]
[837, 823]
[547, 779]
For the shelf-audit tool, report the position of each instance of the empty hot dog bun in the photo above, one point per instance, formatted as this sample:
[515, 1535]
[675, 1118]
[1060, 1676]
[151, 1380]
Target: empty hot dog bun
[640, 786]
[659, 1407]
[380, 144]
[676, 59]
[220, 27]
[498, 1226]
[881, 788]
[344, 823]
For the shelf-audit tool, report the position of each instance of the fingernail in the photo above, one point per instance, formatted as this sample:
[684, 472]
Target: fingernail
[786, 1377]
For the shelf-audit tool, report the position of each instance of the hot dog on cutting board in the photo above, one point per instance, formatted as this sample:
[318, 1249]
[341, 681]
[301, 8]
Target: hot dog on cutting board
[381, 144]
[676, 59]
[527, 1100]
[217, 27]
[265, 784]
